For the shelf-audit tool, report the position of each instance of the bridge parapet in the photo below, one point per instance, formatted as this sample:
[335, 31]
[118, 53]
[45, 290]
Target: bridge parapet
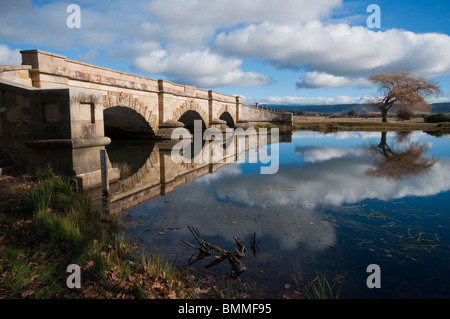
[19, 74]
[50, 70]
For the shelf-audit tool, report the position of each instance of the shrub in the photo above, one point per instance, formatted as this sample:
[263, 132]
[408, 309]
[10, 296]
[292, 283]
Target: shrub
[405, 114]
[437, 118]
[352, 113]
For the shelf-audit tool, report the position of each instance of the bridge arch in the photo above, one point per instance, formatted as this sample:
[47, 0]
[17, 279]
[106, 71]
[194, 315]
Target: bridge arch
[226, 116]
[190, 109]
[125, 114]
[124, 122]
[188, 119]
[226, 113]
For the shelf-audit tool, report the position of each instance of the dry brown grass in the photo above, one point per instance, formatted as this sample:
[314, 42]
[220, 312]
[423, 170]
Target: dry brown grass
[301, 119]
[329, 123]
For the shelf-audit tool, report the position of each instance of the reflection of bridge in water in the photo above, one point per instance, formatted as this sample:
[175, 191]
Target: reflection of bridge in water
[153, 171]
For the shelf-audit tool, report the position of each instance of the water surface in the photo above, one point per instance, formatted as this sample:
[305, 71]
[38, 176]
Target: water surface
[338, 203]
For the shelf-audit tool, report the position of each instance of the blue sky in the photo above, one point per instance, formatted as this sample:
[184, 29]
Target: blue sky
[268, 51]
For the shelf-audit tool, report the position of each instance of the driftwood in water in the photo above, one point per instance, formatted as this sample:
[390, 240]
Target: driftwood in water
[205, 250]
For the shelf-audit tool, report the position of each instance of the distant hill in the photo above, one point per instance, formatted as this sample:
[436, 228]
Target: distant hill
[344, 108]
[441, 108]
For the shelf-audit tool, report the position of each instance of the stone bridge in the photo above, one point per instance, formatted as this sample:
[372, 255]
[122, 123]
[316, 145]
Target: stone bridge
[60, 111]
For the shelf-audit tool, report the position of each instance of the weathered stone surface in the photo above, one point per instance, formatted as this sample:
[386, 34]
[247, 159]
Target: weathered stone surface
[19, 74]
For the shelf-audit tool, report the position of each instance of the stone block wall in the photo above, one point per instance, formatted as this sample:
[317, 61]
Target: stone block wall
[256, 115]
[19, 74]
[15, 115]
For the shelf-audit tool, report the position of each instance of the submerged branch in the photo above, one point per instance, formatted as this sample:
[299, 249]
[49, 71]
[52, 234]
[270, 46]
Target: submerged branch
[205, 250]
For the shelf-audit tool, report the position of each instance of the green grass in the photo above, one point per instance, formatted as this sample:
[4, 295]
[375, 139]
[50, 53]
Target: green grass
[22, 273]
[63, 214]
[53, 226]
[19, 277]
[320, 288]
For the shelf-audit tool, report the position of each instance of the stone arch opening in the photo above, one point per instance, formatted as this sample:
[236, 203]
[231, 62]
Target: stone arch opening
[189, 118]
[227, 118]
[123, 122]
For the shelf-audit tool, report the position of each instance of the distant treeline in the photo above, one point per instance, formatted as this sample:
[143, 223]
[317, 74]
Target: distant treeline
[340, 109]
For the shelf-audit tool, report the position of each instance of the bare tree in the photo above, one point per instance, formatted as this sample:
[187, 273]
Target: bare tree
[402, 91]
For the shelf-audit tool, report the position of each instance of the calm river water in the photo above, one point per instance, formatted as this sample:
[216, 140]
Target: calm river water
[338, 203]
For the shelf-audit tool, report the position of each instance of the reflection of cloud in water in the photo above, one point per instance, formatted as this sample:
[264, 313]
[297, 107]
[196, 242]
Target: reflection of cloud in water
[338, 135]
[357, 135]
[312, 154]
[207, 206]
[286, 227]
[287, 206]
[229, 170]
[334, 182]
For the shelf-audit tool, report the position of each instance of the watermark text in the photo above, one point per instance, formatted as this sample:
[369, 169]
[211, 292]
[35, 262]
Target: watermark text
[374, 20]
[74, 19]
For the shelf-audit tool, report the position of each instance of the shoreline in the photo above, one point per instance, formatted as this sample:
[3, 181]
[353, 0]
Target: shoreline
[333, 123]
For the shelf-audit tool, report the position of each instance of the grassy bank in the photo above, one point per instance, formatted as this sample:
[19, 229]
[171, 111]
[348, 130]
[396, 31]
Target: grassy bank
[50, 226]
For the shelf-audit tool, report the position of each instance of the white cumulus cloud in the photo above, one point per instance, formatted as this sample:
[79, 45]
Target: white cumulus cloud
[228, 13]
[9, 56]
[200, 68]
[312, 80]
[208, 42]
[298, 100]
[338, 55]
